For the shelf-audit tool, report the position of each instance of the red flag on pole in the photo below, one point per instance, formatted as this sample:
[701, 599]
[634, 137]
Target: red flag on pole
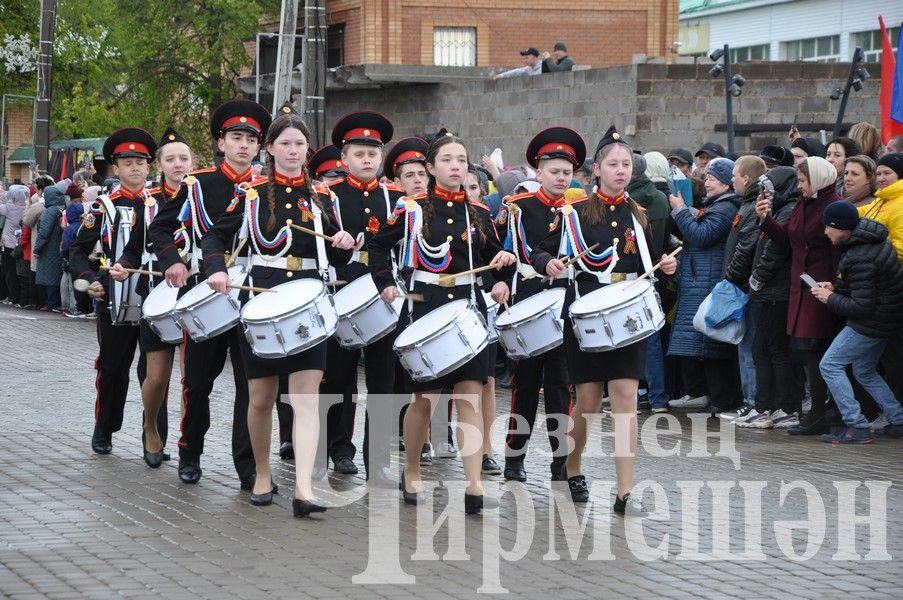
[889, 126]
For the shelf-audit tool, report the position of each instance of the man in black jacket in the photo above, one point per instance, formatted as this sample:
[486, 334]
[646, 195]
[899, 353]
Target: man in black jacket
[868, 291]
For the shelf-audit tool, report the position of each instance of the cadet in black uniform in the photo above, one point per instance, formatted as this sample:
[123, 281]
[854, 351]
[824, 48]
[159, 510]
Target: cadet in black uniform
[325, 165]
[611, 219]
[130, 151]
[362, 208]
[238, 126]
[174, 161]
[555, 153]
[443, 246]
[287, 196]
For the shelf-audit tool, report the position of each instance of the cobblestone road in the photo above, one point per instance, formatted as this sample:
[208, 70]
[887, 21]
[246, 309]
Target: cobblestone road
[77, 525]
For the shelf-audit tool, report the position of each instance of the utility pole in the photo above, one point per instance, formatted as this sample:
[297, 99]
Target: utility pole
[313, 74]
[288, 24]
[45, 86]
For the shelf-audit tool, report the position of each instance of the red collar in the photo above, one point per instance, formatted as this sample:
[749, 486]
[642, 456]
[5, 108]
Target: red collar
[169, 192]
[444, 194]
[361, 185]
[233, 175]
[290, 181]
[548, 200]
[619, 199]
[128, 195]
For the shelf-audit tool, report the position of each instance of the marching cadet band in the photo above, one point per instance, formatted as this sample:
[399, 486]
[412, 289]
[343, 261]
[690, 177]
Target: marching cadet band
[319, 221]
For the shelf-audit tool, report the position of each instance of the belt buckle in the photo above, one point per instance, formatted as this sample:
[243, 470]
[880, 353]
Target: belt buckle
[363, 257]
[447, 283]
[292, 263]
[618, 277]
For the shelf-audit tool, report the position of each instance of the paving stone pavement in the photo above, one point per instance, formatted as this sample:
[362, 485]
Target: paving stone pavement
[77, 525]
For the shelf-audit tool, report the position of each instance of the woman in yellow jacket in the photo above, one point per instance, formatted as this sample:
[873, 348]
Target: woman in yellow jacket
[887, 207]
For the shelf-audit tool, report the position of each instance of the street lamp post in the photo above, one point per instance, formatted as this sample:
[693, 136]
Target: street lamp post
[732, 87]
[855, 79]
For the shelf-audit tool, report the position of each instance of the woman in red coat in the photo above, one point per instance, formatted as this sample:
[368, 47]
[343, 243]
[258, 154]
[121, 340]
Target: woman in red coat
[809, 323]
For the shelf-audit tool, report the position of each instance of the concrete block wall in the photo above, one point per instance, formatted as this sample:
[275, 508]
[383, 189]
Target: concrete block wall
[657, 106]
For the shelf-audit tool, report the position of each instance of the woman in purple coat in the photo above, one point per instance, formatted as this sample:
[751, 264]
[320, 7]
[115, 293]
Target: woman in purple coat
[809, 323]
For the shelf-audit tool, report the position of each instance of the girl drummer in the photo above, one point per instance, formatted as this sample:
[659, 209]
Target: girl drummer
[454, 237]
[174, 160]
[614, 221]
[287, 196]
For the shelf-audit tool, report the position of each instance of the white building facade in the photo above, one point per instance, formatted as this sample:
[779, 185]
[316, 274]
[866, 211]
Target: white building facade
[807, 30]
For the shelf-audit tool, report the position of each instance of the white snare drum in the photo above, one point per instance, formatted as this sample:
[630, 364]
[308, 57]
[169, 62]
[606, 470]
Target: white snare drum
[205, 313]
[363, 316]
[125, 303]
[617, 315]
[441, 341]
[159, 312]
[533, 325]
[492, 313]
[293, 317]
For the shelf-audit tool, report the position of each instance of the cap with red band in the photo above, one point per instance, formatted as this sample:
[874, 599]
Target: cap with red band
[406, 151]
[368, 128]
[326, 159]
[129, 142]
[239, 115]
[556, 142]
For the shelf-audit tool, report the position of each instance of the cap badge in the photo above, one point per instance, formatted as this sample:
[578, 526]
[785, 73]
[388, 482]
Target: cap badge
[243, 119]
[366, 132]
[171, 137]
[616, 136]
[286, 109]
[131, 146]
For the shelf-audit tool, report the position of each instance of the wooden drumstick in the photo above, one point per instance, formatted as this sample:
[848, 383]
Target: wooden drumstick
[659, 264]
[135, 271]
[452, 277]
[234, 256]
[328, 238]
[248, 288]
[413, 296]
[572, 260]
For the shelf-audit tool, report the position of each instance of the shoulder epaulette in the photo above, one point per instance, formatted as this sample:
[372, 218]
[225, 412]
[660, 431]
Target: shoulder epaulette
[114, 194]
[258, 181]
[479, 204]
[394, 188]
[154, 190]
[416, 197]
[336, 182]
[207, 170]
[517, 197]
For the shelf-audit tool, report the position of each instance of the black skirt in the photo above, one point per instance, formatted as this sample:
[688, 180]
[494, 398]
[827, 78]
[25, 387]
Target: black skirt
[149, 341]
[434, 296]
[628, 362]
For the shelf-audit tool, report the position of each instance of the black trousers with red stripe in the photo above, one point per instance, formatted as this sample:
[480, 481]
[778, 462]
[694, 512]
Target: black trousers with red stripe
[204, 361]
[114, 364]
[549, 372]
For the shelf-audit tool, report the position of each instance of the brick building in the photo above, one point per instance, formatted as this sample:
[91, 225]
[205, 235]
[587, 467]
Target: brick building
[17, 131]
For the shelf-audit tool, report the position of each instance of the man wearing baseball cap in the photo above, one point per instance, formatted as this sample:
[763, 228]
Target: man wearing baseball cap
[707, 152]
[532, 65]
[558, 60]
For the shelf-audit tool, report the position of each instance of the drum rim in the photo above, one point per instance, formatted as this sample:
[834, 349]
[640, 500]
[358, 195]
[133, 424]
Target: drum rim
[559, 302]
[450, 369]
[597, 310]
[543, 350]
[464, 303]
[294, 310]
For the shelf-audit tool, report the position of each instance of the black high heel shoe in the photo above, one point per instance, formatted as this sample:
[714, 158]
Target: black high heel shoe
[473, 504]
[266, 498]
[302, 508]
[409, 497]
[153, 459]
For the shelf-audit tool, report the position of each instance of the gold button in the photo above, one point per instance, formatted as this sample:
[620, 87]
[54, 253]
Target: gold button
[614, 223]
[449, 238]
[551, 209]
[288, 221]
[367, 210]
[288, 190]
[289, 274]
[450, 221]
[366, 194]
[288, 205]
[615, 240]
[611, 207]
[451, 296]
[449, 203]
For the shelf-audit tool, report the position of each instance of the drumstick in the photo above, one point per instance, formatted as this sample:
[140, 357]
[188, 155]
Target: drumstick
[234, 255]
[452, 277]
[337, 283]
[328, 238]
[413, 296]
[248, 288]
[658, 264]
[573, 260]
[135, 271]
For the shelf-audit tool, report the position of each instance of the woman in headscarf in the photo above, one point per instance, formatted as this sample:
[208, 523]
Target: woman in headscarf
[46, 247]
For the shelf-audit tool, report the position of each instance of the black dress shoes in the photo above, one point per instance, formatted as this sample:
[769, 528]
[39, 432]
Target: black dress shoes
[166, 456]
[409, 497]
[302, 508]
[266, 498]
[153, 459]
[576, 485]
[514, 470]
[344, 465]
[287, 451]
[474, 504]
[101, 443]
[189, 470]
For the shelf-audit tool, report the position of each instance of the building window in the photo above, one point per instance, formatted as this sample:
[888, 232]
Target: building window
[759, 52]
[335, 44]
[821, 49]
[455, 46]
[870, 42]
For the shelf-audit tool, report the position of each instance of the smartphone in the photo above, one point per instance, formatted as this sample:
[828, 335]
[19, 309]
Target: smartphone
[767, 186]
[807, 279]
[795, 117]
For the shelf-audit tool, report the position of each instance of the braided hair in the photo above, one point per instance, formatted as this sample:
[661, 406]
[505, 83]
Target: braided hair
[281, 123]
[444, 138]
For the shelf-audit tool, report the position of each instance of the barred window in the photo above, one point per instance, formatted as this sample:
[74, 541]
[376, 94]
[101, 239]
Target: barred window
[821, 49]
[455, 46]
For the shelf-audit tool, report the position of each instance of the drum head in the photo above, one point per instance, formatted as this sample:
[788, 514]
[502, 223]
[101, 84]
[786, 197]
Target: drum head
[533, 305]
[355, 295]
[161, 300]
[285, 298]
[610, 296]
[202, 290]
[430, 323]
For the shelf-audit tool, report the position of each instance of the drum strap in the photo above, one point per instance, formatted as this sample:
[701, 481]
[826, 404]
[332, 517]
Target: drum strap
[322, 261]
[470, 235]
[642, 243]
[393, 253]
